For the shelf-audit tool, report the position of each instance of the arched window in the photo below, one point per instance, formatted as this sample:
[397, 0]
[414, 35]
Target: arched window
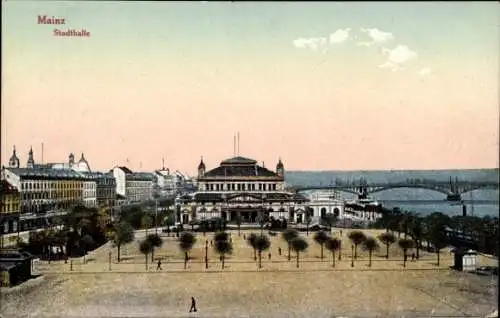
[323, 212]
[336, 212]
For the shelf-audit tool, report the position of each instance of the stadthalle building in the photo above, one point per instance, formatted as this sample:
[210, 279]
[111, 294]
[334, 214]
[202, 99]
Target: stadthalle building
[240, 187]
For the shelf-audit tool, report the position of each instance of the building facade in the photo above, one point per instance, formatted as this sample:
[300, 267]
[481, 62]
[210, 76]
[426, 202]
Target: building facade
[89, 195]
[106, 189]
[134, 186]
[11, 208]
[169, 184]
[44, 190]
[165, 183]
[241, 189]
[326, 203]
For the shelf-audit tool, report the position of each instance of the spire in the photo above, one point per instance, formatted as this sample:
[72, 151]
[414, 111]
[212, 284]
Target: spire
[31, 161]
[202, 164]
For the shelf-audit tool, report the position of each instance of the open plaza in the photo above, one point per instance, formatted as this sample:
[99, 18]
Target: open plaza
[99, 288]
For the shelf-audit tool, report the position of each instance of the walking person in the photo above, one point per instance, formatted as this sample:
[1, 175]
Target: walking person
[158, 267]
[412, 257]
[269, 255]
[193, 305]
[279, 251]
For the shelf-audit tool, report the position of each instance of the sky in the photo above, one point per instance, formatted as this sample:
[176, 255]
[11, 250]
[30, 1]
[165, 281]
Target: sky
[323, 86]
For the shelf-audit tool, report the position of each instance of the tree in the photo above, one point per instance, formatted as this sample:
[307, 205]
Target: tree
[61, 240]
[186, 243]
[333, 244]
[370, 245]
[309, 214]
[298, 245]
[146, 222]
[262, 222]
[437, 238]
[416, 232]
[50, 241]
[83, 227]
[123, 234]
[262, 243]
[321, 237]
[251, 241]
[156, 242]
[356, 237]
[168, 221]
[405, 245]
[330, 219]
[238, 222]
[394, 220]
[221, 236]
[404, 223]
[288, 236]
[387, 239]
[145, 247]
[87, 242]
[223, 247]
[103, 218]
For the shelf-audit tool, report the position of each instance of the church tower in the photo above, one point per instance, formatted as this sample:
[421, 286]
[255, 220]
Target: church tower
[201, 169]
[14, 160]
[31, 162]
[71, 160]
[280, 169]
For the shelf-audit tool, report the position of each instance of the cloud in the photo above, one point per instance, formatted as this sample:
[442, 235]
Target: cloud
[397, 57]
[424, 72]
[377, 36]
[310, 43]
[339, 36]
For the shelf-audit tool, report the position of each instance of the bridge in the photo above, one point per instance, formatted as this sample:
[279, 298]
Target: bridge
[453, 189]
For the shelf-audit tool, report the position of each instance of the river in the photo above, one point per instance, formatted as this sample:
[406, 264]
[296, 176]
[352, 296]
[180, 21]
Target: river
[479, 202]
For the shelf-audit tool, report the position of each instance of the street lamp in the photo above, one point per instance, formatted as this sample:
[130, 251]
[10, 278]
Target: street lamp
[206, 254]
[352, 255]
[156, 215]
[224, 205]
[262, 212]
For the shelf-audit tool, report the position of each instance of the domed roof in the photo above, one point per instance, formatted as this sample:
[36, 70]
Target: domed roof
[280, 164]
[82, 165]
[14, 160]
[14, 156]
[238, 160]
[82, 159]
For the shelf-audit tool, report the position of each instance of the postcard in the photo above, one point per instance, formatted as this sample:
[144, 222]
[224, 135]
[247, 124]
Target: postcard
[249, 159]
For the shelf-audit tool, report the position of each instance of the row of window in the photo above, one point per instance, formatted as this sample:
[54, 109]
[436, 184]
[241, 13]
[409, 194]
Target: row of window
[107, 192]
[240, 187]
[138, 191]
[52, 195]
[139, 184]
[37, 207]
[10, 207]
[106, 182]
[51, 185]
[89, 185]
